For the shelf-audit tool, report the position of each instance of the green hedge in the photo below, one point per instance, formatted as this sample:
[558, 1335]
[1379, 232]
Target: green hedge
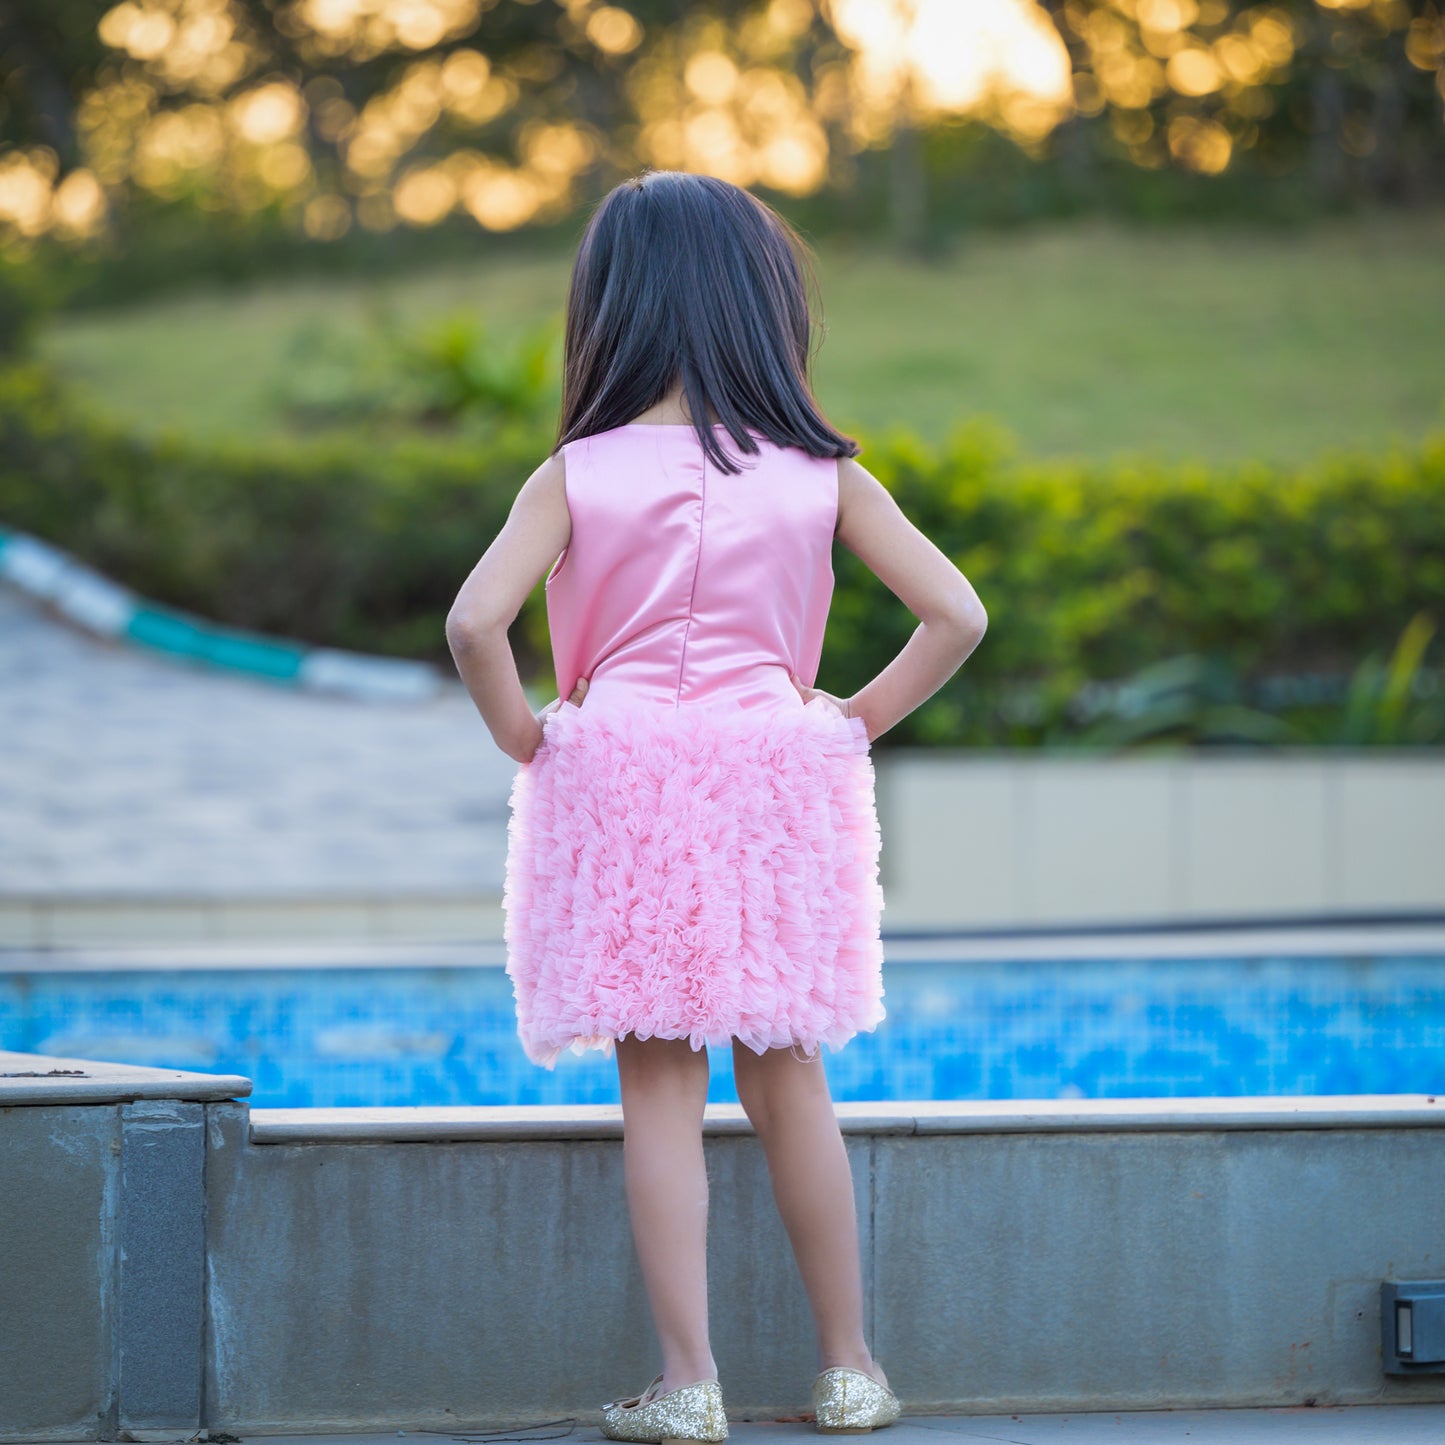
[1088, 572]
[337, 542]
[1093, 571]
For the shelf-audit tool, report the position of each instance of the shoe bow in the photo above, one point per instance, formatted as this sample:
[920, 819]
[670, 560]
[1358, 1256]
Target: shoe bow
[635, 1400]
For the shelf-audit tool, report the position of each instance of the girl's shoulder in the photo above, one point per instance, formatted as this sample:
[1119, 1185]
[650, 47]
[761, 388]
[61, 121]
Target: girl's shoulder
[547, 483]
[854, 478]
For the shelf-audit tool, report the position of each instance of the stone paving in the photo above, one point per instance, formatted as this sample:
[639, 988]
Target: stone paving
[128, 775]
[1322, 1425]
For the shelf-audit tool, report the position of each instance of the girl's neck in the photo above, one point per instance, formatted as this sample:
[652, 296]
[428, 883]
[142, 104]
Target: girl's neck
[670, 411]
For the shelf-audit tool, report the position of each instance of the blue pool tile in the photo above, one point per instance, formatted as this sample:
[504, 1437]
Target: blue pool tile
[1039, 1029]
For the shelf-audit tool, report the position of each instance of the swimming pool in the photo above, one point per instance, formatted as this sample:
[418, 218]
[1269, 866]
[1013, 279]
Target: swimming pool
[967, 1019]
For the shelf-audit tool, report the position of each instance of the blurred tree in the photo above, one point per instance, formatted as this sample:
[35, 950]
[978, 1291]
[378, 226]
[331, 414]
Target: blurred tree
[1349, 90]
[330, 114]
[49, 52]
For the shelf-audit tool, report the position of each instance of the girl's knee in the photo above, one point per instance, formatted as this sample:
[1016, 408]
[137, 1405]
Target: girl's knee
[777, 1081]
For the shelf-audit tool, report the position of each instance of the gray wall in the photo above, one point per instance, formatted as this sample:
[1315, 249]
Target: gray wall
[59, 1184]
[1029, 1267]
[425, 1284]
[168, 1265]
[102, 1248]
[1138, 1270]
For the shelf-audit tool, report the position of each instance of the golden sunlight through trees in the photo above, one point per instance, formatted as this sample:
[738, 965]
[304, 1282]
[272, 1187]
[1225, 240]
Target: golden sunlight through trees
[710, 98]
[329, 113]
[1000, 60]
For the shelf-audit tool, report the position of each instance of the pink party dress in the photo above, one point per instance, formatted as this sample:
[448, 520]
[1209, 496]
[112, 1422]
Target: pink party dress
[693, 852]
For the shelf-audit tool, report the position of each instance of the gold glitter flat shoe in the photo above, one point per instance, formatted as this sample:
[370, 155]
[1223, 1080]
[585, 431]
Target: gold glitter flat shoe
[684, 1415]
[848, 1402]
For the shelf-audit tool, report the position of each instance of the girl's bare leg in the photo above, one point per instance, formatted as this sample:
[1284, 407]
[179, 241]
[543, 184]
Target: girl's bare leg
[664, 1088]
[792, 1112]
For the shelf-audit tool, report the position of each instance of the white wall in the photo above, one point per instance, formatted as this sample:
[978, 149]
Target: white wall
[979, 839]
[1017, 839]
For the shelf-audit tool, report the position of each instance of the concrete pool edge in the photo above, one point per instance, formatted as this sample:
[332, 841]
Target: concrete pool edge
[41, 1079]
[447, 1123]
[1259, 940]
[46, 1079]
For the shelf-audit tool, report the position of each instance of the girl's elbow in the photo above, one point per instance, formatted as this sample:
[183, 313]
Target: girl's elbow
[966, 617]
[968, 628]
[464, 630]
[455, 630]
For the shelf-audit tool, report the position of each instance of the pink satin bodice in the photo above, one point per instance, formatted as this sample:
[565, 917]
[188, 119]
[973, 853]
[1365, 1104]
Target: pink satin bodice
[683, 584]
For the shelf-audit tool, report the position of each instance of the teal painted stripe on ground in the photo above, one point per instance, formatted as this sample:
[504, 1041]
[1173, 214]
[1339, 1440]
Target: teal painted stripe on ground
[182, 636]
[102, 608]
[165, 632]
[278, 660]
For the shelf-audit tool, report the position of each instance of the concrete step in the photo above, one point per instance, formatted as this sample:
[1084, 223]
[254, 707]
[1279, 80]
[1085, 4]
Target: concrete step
[121, 921]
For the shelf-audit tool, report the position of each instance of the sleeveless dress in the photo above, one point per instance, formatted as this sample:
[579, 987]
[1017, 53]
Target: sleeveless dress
[693, 852]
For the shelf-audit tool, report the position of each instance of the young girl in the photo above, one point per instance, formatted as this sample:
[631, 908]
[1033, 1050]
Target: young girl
[693, 845]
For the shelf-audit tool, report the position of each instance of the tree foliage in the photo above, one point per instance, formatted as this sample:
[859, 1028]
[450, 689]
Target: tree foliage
[375, 114]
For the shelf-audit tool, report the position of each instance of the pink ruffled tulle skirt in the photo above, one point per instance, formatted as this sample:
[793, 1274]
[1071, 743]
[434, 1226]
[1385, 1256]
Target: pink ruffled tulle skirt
[696, 872]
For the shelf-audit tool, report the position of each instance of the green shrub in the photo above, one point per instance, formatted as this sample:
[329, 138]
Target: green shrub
[1088, 573]
[23, 296]
[1096, 572]
[450, 377]
[338, 542]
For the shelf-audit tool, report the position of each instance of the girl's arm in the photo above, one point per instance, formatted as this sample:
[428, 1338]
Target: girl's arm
[951, 619]
[537, 529]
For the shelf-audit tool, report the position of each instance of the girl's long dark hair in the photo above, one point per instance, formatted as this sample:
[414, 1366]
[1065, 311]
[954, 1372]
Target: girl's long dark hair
[687, 276]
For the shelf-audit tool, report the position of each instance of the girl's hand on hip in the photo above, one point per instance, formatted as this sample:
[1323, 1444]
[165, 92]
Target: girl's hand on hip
[574, 697]
[809, 693]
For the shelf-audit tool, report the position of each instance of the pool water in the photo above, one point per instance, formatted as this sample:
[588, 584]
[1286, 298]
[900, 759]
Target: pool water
[976, 1029]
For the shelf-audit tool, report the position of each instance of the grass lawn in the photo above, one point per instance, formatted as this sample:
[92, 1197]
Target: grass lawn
[1084, 339]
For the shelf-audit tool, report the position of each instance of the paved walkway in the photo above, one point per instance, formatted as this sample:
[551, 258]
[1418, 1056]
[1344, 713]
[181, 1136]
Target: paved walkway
[1322, 1425]
[126, 775]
